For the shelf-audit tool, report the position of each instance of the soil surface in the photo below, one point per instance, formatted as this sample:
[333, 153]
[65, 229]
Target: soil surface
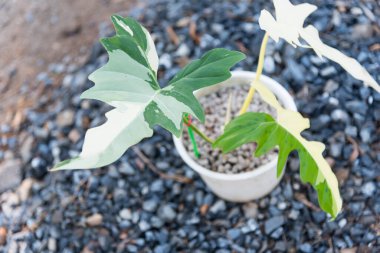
[37, 34]
[215, 106]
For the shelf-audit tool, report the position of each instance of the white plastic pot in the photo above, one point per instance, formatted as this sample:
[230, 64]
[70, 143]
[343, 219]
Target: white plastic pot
[245, 186]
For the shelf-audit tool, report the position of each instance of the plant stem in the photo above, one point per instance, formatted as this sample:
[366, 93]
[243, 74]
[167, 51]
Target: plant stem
[197, 131]
[259, 71]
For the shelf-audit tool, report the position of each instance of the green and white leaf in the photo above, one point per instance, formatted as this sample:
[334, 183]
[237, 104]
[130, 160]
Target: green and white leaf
[267, 133]
[289, 25]
[128, 82]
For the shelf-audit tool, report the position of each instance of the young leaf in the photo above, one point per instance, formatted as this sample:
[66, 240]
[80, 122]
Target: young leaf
[267, 133]
[289, 25]
[128, 82]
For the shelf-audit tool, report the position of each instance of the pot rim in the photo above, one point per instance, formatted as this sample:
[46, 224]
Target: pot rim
[281, 95]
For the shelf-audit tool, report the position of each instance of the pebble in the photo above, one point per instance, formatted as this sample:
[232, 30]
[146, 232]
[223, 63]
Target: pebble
[25, 189]
[3, 236]
[65, 118]
[219, 206]
[150, 205]
[167, 213]
[331, 86]
[368, 189]
[10, 174]
[250, 210]
[306, 248]
[328, 71]
[339, 115]
[125, 214]
[74, 136]
[269, 65]
[297, 72]
[144, 225]
[67, 80]
[94, 220]
[234, 233]
[183, 50]
[273, 223]
[52, 244]
[126, 169]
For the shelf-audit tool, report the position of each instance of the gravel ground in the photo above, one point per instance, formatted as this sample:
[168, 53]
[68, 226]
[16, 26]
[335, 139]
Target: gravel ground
[215, 107]
[126, 207]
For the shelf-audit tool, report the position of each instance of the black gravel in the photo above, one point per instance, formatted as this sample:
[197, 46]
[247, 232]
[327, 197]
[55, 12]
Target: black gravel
[128, 208]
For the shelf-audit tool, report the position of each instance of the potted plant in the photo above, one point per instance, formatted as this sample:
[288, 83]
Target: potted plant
[128, 82]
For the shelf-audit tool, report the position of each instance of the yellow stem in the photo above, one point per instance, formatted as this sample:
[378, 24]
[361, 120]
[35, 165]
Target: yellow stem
[259, 71]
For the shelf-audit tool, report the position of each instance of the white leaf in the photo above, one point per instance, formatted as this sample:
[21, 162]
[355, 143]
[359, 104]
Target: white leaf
[352, 66]
[288, 25]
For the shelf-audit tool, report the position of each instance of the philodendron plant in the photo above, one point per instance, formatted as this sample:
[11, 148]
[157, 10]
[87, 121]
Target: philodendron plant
[128, 82]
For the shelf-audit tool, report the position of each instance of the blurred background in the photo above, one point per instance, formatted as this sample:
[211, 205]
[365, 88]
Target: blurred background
[47, 50]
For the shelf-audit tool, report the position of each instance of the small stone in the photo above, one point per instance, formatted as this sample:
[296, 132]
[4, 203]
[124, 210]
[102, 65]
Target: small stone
[319, 216]
[368, 189]
[250, 210]
[219, 206]
[273, 223]
[339, 115]
[125, 214]
[52, 244]
[318, 61]
[25, 189]
[362, 31]
[331, 86]
[183, 50]
[80, 79]
[294, 214]
[234, 233]
[157, 186]
[65, 118]
[162, 165]
[26, 149]
[336, 149]
[365, 135]
[248, 27]
[156, 222]
[351, 131]
[282, 205]
[217, 28]
[269, 65]
[167, 213]
[10, 174]
[94, 220]
[126, 169]
[328, 71]
[306, 248]
[321, 122]
[144, 226]
[342, 223]
[280, 246]
[120, 195]
[3, 236]
[67, 80]
[356, 107]
[74, 136]
[166, 61]
[164, 248]
[277, 233]
[150, 205]
[297, 72]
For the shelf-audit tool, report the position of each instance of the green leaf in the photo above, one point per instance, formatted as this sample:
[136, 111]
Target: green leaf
[128, 82]
[267, 133]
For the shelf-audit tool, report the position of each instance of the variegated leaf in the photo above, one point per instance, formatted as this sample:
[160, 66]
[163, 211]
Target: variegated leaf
[289, 25]
[128, 82]
[267, 133]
